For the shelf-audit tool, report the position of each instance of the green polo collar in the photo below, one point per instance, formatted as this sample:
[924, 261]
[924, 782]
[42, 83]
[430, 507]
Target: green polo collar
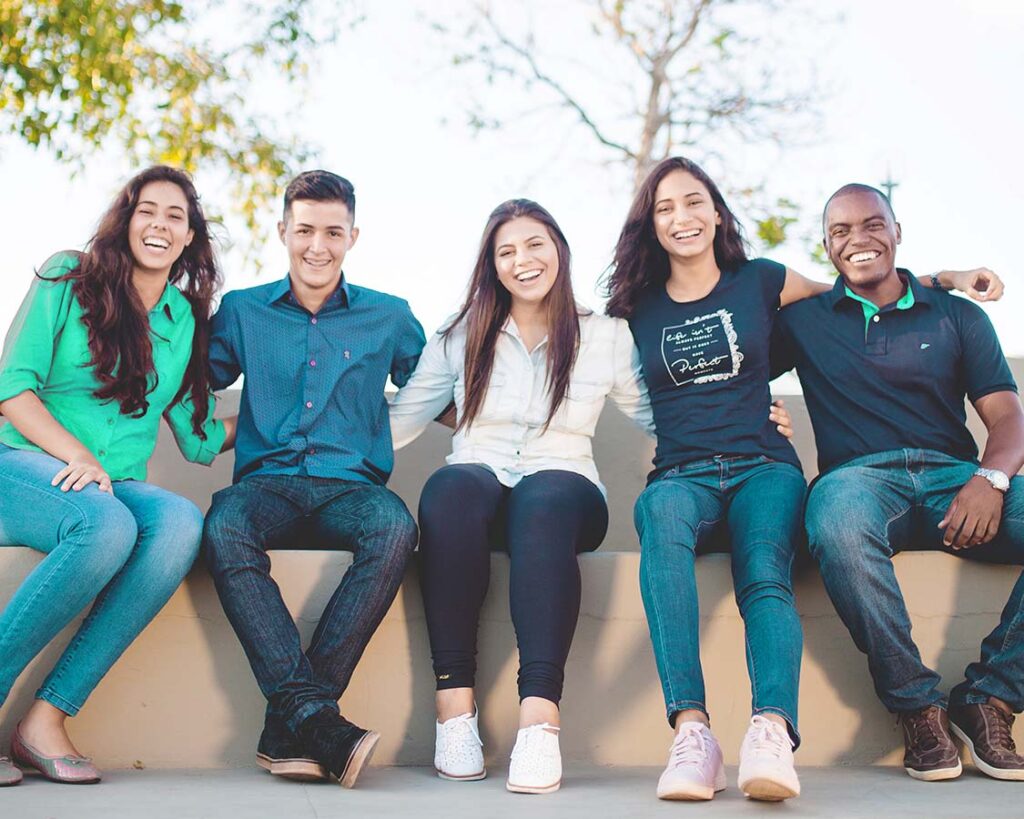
[905, 302]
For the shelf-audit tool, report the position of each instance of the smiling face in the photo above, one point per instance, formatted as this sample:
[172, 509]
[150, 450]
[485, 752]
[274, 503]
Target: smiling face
[684, 216]
[526, 259]
[158, 231]
[317, 235]
[861, 235]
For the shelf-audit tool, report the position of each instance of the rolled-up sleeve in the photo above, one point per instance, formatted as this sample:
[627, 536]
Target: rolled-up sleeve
[29, 345]
[192, 446]
[629, 390]
[425, 395]
[409, 345]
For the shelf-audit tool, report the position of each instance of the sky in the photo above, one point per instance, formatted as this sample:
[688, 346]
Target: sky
[928, 93]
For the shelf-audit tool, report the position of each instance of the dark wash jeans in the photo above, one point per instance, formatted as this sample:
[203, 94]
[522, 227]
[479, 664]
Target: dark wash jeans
[758, 503]
[295, 511]
[863, 512]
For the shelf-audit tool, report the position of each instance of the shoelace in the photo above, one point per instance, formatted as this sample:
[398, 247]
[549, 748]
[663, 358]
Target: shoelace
[921, 728]
[689, 747]
[768, 737]
[1002, 728]
[462, 723]
[533, 736]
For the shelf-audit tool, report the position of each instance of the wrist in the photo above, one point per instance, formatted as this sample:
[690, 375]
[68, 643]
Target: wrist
[943, 280]
[996, 478]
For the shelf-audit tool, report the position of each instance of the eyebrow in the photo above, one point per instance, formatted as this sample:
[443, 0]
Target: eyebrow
[329, 227]
[511, 244]
[685, 196]
[879, 215]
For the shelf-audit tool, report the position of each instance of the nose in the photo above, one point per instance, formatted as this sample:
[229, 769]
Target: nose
[316, 243]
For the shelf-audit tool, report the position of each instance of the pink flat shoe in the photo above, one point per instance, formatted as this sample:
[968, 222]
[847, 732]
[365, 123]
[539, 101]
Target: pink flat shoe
[71, 770]
[9, 774]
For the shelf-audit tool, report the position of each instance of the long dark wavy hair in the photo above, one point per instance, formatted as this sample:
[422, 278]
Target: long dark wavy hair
[487, 308]
[122, 353]
[641, 262]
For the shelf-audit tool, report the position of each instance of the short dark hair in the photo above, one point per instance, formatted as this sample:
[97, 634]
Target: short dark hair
[856, 187]
[320, 186]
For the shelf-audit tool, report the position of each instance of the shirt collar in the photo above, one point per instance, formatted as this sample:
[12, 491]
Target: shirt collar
[916, 292]
[341, 297]
[164, 304]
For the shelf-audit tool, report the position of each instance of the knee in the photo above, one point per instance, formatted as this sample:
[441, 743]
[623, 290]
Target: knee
[391, 527]
[225, 536]
[765, 588]
[107, 523]
[450, 491]
[181, 530]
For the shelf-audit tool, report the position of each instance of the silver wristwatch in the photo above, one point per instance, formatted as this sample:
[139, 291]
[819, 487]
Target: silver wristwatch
[995, 477]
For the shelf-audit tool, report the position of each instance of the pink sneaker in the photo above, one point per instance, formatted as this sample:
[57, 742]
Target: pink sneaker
[766, 762]
[694, 769]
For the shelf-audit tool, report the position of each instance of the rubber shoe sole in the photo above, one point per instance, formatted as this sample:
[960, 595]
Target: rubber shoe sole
[936, 775]
[513, 788]
[996, 773]
[298, 769]
[691, 791]
[359, 758]
[768, 790]
[473, 777]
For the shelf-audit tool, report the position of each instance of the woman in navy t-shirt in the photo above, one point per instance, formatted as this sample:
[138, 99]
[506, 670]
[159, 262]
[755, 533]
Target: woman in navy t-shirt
[701, 313]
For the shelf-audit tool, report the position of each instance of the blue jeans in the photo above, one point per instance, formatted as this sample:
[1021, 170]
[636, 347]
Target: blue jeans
[863, 512]
[758, 503]
[129, 551]
[297, 511]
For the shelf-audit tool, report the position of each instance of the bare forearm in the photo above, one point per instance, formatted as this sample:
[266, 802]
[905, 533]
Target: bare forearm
[1005, 447]
[230, 430]
[32, 419]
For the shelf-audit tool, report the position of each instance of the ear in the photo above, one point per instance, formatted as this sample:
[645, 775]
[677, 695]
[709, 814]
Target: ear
[190, 237]
[280, 231]
[352, 236]
[718, 218]
[899, 233]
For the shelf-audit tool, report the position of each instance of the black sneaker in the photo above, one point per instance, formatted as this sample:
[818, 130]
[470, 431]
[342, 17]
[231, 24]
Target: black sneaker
[337, 744]
[280, 753]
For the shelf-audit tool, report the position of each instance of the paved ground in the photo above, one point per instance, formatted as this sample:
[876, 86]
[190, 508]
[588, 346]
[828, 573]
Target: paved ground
[591, 792]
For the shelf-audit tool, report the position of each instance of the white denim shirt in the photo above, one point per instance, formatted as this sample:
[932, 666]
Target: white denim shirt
[508, 434]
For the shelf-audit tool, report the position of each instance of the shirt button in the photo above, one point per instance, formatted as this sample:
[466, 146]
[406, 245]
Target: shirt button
[309, 405]
[311, 450]
[103, 452]
[312, 363]
[110, 422]
[877, 319]
[313, 320]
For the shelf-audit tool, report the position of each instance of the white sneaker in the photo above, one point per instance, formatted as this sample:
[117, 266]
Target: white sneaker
[695, 770]
[536, 765]
[458, 751]
[766, 762]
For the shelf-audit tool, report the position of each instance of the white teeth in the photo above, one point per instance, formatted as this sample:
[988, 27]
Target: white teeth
[157, 243]
[686, 234]
[527, 276]
[866, 256]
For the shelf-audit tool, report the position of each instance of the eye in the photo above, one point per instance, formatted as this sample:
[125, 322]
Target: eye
[663, 209]
[695, 202]
[336, 234]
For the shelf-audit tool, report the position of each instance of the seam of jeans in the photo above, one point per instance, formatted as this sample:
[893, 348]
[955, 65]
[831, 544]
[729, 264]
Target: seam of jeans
[677, 706]
[1013, 631]
[56, 700]
[644, 567]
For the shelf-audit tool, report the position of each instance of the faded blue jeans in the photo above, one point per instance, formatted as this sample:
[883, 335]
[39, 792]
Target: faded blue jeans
[129, 551]
[301, 512]
[758, 504]
[863, 512]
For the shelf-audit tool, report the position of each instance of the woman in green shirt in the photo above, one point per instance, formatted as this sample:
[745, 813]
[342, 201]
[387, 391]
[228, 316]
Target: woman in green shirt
[105, 343]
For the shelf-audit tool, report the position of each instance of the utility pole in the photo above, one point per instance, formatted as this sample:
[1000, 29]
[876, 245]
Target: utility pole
[889, 184]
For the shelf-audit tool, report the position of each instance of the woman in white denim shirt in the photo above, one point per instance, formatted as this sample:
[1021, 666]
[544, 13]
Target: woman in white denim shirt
[529, 371]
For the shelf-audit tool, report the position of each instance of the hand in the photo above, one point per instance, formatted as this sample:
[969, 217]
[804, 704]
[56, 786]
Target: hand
[981, 284]
[80, 472]
[780, 416]
[973, 516]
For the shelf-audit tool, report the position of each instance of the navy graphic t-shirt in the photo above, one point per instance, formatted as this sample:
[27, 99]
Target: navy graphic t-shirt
[706, 364]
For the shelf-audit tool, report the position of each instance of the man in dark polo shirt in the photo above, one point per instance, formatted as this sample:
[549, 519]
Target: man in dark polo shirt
[312, 457]
[885, 366]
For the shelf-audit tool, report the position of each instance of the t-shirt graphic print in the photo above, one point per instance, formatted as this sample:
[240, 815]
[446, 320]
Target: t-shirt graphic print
[701, 349]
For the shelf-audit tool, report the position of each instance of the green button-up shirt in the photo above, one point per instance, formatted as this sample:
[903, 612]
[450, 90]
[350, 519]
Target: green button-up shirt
[47, 351]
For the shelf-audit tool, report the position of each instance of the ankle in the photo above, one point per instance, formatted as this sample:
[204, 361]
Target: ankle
[690, 715]
[454, 702]
[1001, 705]
[537, 711]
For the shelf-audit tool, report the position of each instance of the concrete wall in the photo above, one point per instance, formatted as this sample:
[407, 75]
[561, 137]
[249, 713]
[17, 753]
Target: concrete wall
[183, 695]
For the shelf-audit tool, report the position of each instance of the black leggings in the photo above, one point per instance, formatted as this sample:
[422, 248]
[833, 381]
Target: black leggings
[546, 520]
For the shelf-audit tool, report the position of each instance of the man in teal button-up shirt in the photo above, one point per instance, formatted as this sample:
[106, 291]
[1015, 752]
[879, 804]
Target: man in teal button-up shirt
[312, 456]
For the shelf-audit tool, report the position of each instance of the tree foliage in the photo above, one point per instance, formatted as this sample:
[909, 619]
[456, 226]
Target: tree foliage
[662, 77]
[165, 81]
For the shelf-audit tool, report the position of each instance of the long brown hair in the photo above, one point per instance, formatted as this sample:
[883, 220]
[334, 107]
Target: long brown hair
[122, 353]
[641, 262]
[487, 308]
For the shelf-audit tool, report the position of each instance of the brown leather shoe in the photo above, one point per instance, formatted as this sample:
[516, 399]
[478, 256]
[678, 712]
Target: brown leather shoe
[931, 753]
[987, 731]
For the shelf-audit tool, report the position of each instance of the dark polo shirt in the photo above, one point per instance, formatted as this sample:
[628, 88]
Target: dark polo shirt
[900, 382]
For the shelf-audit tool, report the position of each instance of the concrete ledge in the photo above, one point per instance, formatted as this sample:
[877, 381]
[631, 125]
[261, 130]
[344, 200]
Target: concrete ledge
[183, 695]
